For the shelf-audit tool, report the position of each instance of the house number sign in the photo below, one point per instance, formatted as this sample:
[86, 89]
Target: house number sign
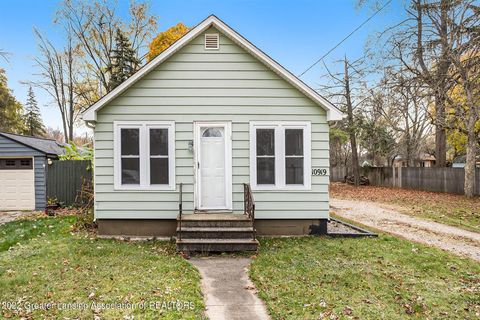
[319, 172]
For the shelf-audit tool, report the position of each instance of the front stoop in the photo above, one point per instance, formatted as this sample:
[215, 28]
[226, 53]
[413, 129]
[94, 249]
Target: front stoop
[214, 232]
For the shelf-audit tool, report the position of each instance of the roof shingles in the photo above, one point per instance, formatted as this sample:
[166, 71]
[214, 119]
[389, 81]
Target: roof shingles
[46, 146]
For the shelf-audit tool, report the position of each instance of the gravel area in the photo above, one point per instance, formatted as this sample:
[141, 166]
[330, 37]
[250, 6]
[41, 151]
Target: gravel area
[336, 227]
[389, 219]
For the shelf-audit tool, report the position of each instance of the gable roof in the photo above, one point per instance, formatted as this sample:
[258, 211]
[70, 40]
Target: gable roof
[47, 146]
[212, 21]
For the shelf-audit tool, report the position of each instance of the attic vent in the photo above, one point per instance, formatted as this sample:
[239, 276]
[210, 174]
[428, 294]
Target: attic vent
[211, 41]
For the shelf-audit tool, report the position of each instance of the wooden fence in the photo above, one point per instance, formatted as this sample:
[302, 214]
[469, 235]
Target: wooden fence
[450, 180]
[65, 179]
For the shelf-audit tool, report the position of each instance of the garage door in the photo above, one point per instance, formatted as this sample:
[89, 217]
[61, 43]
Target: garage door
[17, 184]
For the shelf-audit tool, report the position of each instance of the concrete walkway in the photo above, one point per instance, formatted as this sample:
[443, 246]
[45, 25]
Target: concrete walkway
[229, 293]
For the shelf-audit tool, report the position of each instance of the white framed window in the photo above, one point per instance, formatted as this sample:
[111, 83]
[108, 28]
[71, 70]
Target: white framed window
[144, 155]
[280, 155]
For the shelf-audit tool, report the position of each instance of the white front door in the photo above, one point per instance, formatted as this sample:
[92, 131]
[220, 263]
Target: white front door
[213, 166]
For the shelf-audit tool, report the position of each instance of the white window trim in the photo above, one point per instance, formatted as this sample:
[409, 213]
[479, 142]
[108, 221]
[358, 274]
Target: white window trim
[280, 178]
[144, 150]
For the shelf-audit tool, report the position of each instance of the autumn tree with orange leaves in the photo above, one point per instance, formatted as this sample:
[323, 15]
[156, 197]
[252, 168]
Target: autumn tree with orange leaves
[165, 39]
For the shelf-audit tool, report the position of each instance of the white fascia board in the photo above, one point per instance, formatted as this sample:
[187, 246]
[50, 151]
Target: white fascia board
[333, 113]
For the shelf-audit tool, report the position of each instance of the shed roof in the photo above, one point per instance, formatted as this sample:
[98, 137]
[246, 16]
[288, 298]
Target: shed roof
[463, 159]
[333, 113]
[47, 146]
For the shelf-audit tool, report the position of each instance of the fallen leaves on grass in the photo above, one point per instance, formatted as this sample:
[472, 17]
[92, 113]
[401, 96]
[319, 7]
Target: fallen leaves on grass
[452, 209]
[347, 311]
[405, 197]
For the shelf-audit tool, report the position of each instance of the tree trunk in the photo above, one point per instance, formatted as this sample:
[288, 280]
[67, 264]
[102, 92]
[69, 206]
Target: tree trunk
[65, 130]
[408, 155]
[437, 80]
[351, 126]
[470, 163]
[355, 166]
[440, 133]
[441, 91]
[70, 132]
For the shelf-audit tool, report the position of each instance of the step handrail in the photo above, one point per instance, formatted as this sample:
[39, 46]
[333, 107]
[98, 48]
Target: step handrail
[249, 205]
[180, 210]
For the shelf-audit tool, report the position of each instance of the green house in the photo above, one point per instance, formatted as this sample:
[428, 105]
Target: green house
[209, 125]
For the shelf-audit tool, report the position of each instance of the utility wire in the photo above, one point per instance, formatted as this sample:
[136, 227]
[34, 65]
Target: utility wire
[344, 39]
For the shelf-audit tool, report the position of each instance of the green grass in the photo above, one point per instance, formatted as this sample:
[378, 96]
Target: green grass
[44, 261]
[24, 230]
[456, 215]
[366, 278]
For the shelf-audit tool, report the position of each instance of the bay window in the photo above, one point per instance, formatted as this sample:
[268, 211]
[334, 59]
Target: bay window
[144, 155]
[280, 155]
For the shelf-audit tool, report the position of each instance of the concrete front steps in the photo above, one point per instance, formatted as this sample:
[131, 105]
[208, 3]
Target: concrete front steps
[215, 232]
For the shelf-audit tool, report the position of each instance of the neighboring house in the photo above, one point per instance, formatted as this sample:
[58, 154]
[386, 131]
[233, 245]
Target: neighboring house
[425, 160]
[23, 168]
[459, 162]
[211, 112]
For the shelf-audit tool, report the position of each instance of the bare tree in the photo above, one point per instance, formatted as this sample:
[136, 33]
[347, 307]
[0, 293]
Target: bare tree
[344, 88]
[58, 78]
[4, 54]
[439, 44]
[376, 134]
[422, 44]
[404, 107]
[464, 97]
[93, 25]
[351, 123]
[55, 134]
[77, 74]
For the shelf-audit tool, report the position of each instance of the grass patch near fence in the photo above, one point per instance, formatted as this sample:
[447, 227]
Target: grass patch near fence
[366, 278]
[451, 209]
[22, 231]
[42, 261]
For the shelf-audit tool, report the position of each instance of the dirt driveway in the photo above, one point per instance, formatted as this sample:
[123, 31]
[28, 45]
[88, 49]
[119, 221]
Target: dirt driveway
[389, 219]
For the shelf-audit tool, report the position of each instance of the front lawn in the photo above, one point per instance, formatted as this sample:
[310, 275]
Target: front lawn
[367, 278]
[43, 261]
[451, 209]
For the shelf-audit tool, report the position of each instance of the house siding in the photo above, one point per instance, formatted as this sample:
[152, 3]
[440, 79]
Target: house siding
[10, 148]
[210, 85]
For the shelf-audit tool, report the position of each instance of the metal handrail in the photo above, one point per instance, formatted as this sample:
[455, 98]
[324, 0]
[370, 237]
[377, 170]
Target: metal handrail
[249, 205]
[180, 209]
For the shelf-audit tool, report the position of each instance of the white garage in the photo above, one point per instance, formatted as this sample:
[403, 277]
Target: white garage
[17, 190]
